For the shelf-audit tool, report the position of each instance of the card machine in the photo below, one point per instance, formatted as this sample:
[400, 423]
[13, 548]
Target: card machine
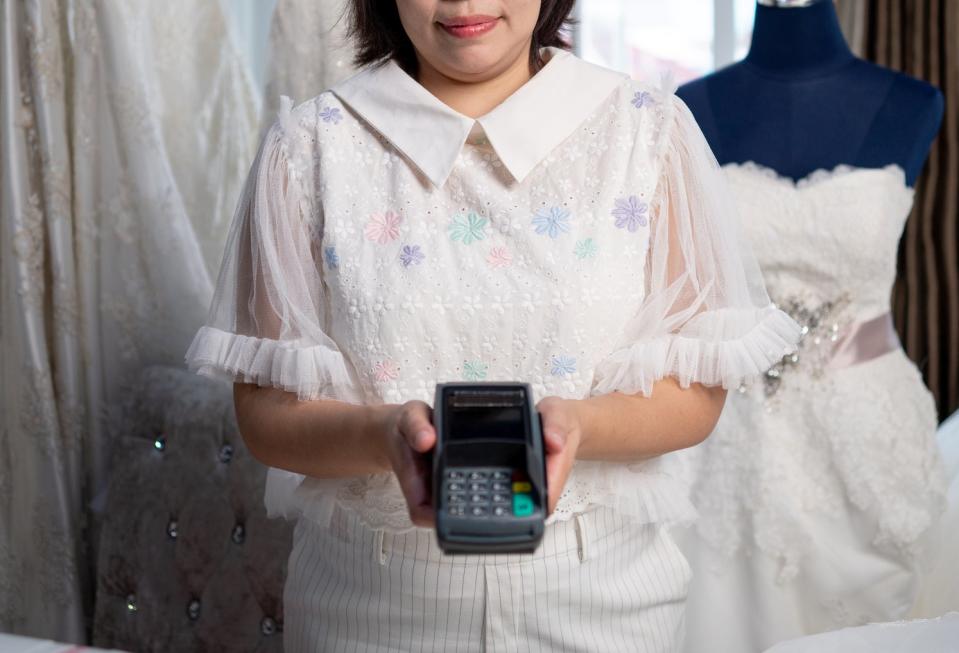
[489, 468]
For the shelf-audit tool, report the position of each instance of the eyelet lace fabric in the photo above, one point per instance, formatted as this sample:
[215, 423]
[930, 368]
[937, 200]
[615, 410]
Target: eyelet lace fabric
[616, 262]
[824, 441]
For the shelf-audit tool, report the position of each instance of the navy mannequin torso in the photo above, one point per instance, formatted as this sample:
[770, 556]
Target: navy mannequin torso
[801, 101]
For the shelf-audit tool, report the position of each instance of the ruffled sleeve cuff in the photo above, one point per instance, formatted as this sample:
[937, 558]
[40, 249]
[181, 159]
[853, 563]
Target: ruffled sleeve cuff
[310, 371]
[724, 348]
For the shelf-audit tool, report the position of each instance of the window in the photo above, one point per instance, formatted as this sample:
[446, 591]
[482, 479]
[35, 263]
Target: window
[647, 37]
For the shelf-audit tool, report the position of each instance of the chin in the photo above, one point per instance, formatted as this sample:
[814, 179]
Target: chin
[474, 62]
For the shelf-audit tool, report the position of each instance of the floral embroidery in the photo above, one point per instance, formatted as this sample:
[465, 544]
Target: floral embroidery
[561, 365]
[331, 257]
[331, 114]
[468, 228]
[499, 257]
[411, 254]
[552, 221]
[385, 370]
[585, 248]
[383, 227]
[630, 213]
[474, 370]
[643, 99]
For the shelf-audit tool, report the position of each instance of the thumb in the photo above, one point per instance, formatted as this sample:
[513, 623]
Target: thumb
[554, 441]
[418, 428]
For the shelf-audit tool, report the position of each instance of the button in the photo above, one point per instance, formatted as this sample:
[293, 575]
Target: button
[457, 511]
[457, 498]
[477, 476]
[522, 505]
[478, 511]
[479, 498]
[500, 498]
[478, 486]
[500, 487]
[522, 486]
[499, 511]
[500, 475]
[454, 487]
[519, 475]
[267, 626]
[454, 474]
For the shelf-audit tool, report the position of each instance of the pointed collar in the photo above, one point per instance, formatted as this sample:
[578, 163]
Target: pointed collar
[523, 129]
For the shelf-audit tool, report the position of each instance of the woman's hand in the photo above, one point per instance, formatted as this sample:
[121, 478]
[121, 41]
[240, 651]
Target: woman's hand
[562, 435]
[409, 437]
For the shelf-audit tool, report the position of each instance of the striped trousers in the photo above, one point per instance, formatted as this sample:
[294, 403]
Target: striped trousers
[597, 582]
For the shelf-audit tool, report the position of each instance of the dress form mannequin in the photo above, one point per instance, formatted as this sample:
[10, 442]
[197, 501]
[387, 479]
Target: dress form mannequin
[801, 529]
[801, 101]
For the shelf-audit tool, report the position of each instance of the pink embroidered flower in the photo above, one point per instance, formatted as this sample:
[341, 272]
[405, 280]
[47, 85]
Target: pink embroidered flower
[499, 257]
[385, 370]
[383, 227]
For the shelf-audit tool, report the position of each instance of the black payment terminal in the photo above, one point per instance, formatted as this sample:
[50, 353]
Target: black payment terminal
[489, 469]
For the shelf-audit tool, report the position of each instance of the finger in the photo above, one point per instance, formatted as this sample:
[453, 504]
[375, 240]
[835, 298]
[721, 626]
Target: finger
[553, 440]
[417, 427]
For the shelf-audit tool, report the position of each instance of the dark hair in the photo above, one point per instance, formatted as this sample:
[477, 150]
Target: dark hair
[376, 31]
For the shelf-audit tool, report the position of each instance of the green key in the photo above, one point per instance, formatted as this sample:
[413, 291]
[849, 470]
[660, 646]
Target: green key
[522, 505]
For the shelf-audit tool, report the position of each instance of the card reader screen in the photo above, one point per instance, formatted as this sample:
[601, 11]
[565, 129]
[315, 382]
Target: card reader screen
[487, 423]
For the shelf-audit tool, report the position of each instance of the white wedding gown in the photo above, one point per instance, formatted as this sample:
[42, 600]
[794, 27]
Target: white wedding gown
[820, 488]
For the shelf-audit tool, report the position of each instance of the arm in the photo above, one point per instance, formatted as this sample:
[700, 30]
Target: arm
[282, 431]
[624, 427]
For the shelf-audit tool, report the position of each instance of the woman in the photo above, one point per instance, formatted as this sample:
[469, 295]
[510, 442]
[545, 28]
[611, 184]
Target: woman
[477, 203]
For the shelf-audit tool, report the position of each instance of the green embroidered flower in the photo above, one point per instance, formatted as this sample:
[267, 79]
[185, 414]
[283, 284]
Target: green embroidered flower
[468, 228]
[474, 370]
[585, 248]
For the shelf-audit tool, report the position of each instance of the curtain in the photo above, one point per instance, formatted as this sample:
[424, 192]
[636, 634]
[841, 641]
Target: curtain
[921, 39]
[308, 52]
[126, 128]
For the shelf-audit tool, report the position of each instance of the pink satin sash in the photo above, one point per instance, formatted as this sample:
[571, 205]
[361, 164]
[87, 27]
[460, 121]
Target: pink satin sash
[863, 341]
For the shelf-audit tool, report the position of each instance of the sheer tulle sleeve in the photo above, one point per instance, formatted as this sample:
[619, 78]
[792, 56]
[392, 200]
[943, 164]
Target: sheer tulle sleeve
[706, 317]
[267, 318]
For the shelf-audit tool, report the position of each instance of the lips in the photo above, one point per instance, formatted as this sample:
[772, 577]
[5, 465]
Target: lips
[469, 26]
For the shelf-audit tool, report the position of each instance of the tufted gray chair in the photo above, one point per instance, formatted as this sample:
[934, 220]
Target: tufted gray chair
[188, 560]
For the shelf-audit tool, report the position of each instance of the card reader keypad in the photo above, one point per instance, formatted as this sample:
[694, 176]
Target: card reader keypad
[487, 492]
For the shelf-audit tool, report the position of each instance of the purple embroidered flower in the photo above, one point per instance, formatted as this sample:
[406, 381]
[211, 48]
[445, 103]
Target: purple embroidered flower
[630, 213]
[411, 254]
[561, 365]
[643, 99]
[331, 257]
[331, 114]
[552, 221]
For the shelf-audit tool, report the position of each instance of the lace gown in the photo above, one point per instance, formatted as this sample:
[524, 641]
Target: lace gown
[822, 482]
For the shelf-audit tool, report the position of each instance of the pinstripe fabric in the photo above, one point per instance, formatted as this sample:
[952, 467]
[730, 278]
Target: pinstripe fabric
[597, 583]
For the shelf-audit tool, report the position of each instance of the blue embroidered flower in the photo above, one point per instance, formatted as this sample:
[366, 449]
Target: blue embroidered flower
[474, 370]
[643, 99]
[411, 254]
[467, 228]
[630, 213]
[561, 365]
[331, 257]
[552, 221]
[585, 248]
[331, 114]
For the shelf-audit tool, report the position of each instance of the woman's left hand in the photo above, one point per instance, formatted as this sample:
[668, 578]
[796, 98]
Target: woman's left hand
[562, 435]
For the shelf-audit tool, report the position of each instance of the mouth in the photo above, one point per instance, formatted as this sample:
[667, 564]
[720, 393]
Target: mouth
[469, 26]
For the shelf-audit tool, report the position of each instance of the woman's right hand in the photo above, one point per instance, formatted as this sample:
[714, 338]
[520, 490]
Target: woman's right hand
[409, 437]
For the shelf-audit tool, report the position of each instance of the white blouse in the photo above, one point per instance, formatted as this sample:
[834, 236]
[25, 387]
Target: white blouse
[578, 237]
